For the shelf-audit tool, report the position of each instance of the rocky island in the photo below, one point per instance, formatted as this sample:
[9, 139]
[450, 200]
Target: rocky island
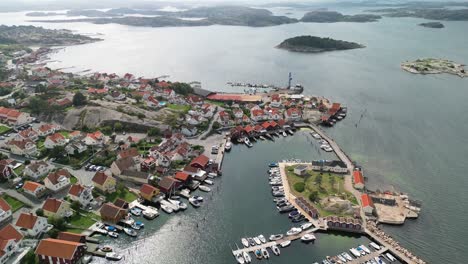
[432, 25]
[434, 66]
[324, 16]
[312, 44]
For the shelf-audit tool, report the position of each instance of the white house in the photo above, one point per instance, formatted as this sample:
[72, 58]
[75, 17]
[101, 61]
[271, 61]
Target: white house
[275, 101]
[94, 139]
[238, 113]
[10, 239]
[29, 133]
[293, 114]
[81, 194]
[5, 211]
[47, 129]
[34, 189]
[76, 147]
[258, 115]
[25, 147]
[336, 166]
[55, 140]
[31, 225]
[37, 169]
[57, 180]
[189, 131]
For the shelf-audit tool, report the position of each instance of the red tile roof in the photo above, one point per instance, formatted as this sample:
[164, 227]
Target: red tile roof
[147, 189]
[366, 200]
[100, 177]
[52, 205]
[8, 233]
[201, 160]
[76, 190]
[26, 221]
[4, 205]
[57, 248]
[31, 186]
[56, 137]
[182, 176]
[358, 178]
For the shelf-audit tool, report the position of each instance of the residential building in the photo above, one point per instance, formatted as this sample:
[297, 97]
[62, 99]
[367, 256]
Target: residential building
[367, 204]
[300, 170]
[75, 148]
[5, 211]
[47, 129]
[28, 133]
[275, 101]
[183, 177]
[103, 182]
[225, 119]
[148, 192]
[57, 180]
[131, 152]
[94, 139]
[55, 140]
[25, 147]
[68, 236]
[189, 131]
[37, 169]
[55, 251]
[168, 184]
[200, 162]
[10, 239]
[5, 170]
[258, 115]
[358, 180]
[34, 189]
[81, 194]
[54, 207]
[336, 166]
[293, 114]
[31, 225]
[13, 117]
[124, 164]
[112, 213]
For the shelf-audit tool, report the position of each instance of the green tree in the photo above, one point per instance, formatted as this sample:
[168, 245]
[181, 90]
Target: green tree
[58, 223]
[216, 125]
[57, 152]
[313, 196]
[53, 233]
[40, 212]
[118, 127]
[137, 98]
[182, 88]
[38, 105]
[154, 132]
[299, 186]
[30, 258]
[79, 99]
[318, 179]
[75, 205]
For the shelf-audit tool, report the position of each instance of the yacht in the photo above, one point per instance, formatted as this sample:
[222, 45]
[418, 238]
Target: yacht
[247, 142]
[209, 182]
[284, 134]
[375, 246]
[294, 213]
[251, 241]
[275, 249]
[247, 257]
[308, 238]
[262, 238]
[273, 165]
[316, 136]
[265, 253]
[113, 256]
[166, 209]
[130, 232]
[179, 204]
[306, 226]
[290, 132]
[194, 202]
[347, 256]
[262, 138]
[228, 146]
[355, 252]
[135, 211]
[258, 254]
[285, 243]
[245, 242]
[341, 258]
[138, 225]
[240, 259]
[365, 249]
[276, 237]
[328, 149]
[390, 257]
[379, 260]
[204, 188]
[150, 214]
[293, 231]
[257, 241]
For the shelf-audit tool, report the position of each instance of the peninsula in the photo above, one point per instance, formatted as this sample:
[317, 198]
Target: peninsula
[324, 16]
[432, 25]
[434, 66]
[312, 44]
[426, 13]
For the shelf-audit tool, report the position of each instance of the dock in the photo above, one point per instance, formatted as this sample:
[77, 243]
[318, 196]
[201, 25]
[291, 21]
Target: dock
[277, 242]
[140, 206]
[368, 257]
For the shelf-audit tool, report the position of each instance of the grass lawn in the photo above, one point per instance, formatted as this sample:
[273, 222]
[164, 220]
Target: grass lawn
[64, 133]
[19, 170]
[125, 195]
[15, 204]
[83, 219]
[74, 230]
[177, 107]
[216, 103]
[325, 189]
[4, 129]
[40, 144]
[73, 180]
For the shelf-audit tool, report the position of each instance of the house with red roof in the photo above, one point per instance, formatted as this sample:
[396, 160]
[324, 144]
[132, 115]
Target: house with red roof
[275, 101]
[129, 77]
[258, 115]
[54, 207]
[10, 239]
[200, 162]
[97, 91]
[24, 147]
[94, 139]
[367, 204]
[148, 192]
[6, 170]
[194, 100]
[225, 118]
[249, 130]
[55, 140]
[111, 213]
[358, 180]
[293, 114]
[274, 114]
[104, 182]
[34, 189]
[5, 211]
[37, 169]
[81, 194]
[168, 184]
[183, 177]
[28, 133]
[238, 113]
[266, 125]
[31, 225]
[13, 117]
[47, 129]
[54, 251]
[168, 93]
[57, 180]
[152, 102]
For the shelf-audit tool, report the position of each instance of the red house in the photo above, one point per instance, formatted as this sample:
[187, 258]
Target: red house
[200, 162]
[56, 251]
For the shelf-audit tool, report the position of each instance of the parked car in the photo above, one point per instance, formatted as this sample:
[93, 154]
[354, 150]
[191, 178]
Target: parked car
[19, 185]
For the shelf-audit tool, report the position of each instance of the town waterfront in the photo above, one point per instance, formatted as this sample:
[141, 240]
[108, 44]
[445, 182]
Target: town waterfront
[412, 134]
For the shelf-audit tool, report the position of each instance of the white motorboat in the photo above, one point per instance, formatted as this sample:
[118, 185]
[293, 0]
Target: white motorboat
[228, 146]
[294, 231]
[204, 188]
[212, 175]
[276, 237]
[308, 238]
[166, 209]
[275, 249]
[316, 136]
[245, 242]
[375, 246]
[355, 252]
[194, 202]
[150, 214]
[285, 243]
[240, 259]
[113, 234]
[179, 204]
[365, 249]
[306, 226]
[328, 149]
[247, 257]
[130, 232]
[323, 146]
[284, 134]
[342, 259]
[262, 138]
[379, 260]
[257, 241]
[265, 253]
[390, 257]
[347, 256]
[262, 238]
[113, 256]
[209, 182]
[174, 207]
[247, 142]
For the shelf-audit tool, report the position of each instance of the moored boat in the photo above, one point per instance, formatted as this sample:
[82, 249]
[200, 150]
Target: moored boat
[273, 164]
[247, 142]
[130, 232]
[166, 209]
[365, 249]
[285, 243]
[135, 211]
[374, 245]
[194, 202]
[228, 146]
[245, 242]
[284, 134]
[293, 231]
[204, 188]
[113, 234]
[262, 238]
[240, 259]
[258, 254]
[306, 226]
[276, 237]
[257, 241]
[105, 249]
[390, 257]
[209, 182]
[150, 214]
[275, 249]
[113, 256]
[308, 238]
[247, 257]
[265, 253]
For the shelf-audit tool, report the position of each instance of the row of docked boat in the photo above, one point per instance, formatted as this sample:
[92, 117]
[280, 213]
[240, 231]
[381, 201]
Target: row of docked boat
[358, 252]
[324, 145]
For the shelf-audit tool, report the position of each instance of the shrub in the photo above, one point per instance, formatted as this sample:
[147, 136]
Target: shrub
[299, 186]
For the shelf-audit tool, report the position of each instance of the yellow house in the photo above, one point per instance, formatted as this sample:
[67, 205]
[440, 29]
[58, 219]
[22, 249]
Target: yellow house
[148, 192]
[58, 208]
[104, 182]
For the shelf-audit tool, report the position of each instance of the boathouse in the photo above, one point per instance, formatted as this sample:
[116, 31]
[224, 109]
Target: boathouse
[358, 180]
[200, 162]
[367, 204]
[300, 170]
[307, 207]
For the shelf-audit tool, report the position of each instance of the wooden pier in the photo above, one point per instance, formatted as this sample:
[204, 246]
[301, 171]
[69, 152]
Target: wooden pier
[368, 257]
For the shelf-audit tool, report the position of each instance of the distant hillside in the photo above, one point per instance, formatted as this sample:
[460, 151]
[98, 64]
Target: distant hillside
[427, 13]
[323, 16]
[432, 25]
[312, 44]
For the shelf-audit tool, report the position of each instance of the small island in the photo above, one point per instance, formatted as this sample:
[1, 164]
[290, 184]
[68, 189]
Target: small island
[312, 44]
[432, 25]
[434, 66]
[324, 16]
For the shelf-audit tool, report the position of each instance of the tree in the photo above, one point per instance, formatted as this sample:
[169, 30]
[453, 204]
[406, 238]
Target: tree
[40, 212]
[318, 179]
[58, 223]
[30, 258]
[75, 205]
[79, 99]
[216, 125]
[121, 187]
[299, 186]
[53, 233]
[118, 126]
[38, 105]
[27, 162]
[57, 152]
[154, 132]
[137, 98]
[141, 115]
[182, 88]
[313, 196]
